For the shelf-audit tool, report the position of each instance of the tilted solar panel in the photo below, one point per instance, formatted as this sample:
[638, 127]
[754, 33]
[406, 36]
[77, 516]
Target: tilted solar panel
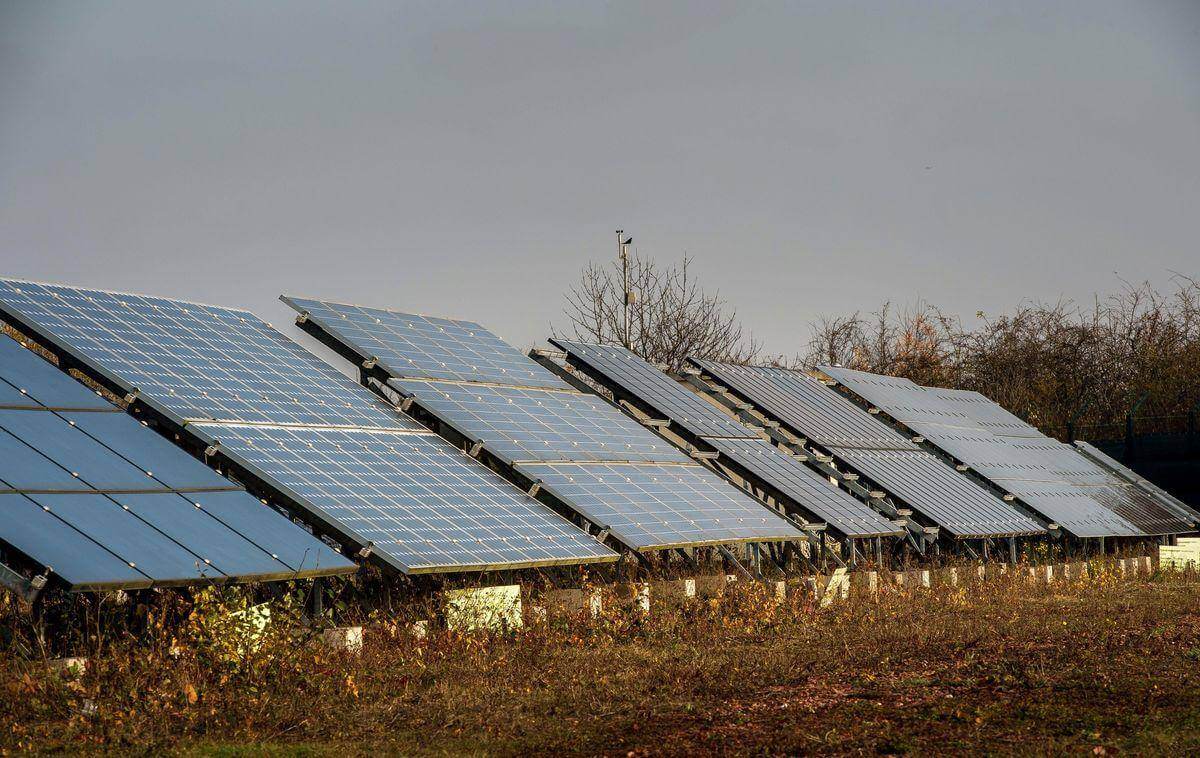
[787, 475]
[226, 376]
[466, 377]
[628, 376]
[104, 502]
[410, 345]
[519, 424]
[869, 448]
[1181, 509]
[1145, 511]
[654, 506]
[628, 373]
[1018, 470]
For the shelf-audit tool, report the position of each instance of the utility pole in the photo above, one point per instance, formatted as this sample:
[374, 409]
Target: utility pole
[626, 295]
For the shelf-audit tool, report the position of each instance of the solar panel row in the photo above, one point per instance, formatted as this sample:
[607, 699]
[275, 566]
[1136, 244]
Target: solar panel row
[102, 502]
[642, 489]
[740, 447]
[869, 448]
[1043, 473]
[327, 446]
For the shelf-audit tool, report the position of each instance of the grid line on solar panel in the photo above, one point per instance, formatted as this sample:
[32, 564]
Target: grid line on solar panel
[650, 506]
[650, 385]
[424, 506]
[103, 501]
[438, 368]
[874, 450]
[805, 487]
[195, 362]
[532, 424]
[411, 345]
[1019, 471]
[184, 369]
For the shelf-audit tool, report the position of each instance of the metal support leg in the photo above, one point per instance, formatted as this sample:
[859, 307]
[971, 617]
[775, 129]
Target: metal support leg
[1012, 550]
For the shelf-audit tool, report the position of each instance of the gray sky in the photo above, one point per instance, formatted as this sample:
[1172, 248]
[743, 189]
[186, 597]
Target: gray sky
[469, 159]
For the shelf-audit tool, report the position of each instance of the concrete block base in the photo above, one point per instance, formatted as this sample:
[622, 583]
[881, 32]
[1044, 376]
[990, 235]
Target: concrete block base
[346, 639]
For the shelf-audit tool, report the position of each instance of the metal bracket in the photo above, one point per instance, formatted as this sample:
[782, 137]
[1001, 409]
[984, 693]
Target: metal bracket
[366, 550]
[132, 395]
[475, 449]
[534, 489]
[302, 319]
[370, 363]
[703, 455]
[26, 589]
[212, 449]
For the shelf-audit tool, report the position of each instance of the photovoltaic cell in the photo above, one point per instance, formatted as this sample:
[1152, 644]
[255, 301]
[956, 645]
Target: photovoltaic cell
[519, 424]
[409, 345]
[79, 494]
[468, 379]
[869, 448]
[1016, 465]
[219, 372]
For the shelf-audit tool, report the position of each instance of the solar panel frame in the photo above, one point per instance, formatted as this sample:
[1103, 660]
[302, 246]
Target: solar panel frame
[1119, 469]
[343, 403]
[329, 322]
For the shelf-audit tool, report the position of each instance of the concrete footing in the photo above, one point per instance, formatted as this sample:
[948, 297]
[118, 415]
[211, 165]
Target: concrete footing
[673, 593]
[68, 668]
[634, 596]
[344, 639]
[572, 602]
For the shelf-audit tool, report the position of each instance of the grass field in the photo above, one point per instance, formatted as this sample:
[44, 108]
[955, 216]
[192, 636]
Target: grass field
[1099, 667]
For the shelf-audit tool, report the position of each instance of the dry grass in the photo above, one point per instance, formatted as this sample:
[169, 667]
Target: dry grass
[1016, 668]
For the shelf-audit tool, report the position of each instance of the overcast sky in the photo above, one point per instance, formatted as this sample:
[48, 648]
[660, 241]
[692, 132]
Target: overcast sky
[469, 159]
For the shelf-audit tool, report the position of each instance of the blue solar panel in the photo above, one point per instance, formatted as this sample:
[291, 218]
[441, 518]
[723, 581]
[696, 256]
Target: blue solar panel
[635, 377]
[78, 496]
[519, 424]
[198, 364]
[409, 345]
[467, 376]
[425, 507]
[630, 377]
[1027, 473]
[651, 506]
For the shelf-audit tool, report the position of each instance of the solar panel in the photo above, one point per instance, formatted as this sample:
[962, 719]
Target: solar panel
[423, 509]
[871, 449]
[655, 506]
[629, 376]
[196, 362]
[628, 373]
[792, 479]
[410, 345]
[225, 375]
[469, 380]
[103, 502]
[519, 424]
[1013, 464]
[1101, 458]
[1141, 508]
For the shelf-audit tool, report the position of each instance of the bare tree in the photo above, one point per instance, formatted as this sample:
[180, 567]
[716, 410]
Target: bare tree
[672, 316]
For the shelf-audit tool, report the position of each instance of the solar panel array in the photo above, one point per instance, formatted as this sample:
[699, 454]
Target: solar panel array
[873, 450]
[1032, 469]
[593, 459]
[103, 502]
[1146, 511]
[361, 470]
[628, 375]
